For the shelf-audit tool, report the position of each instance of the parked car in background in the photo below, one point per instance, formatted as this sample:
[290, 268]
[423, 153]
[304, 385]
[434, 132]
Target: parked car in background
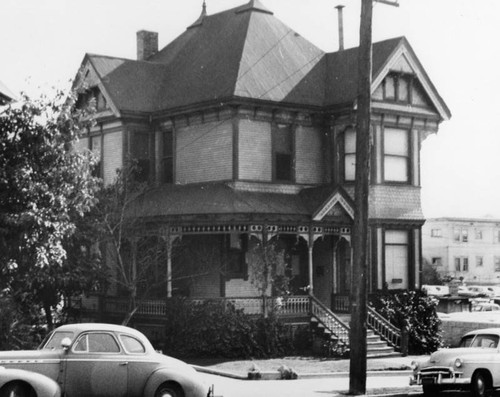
[102, 360]
[481, 291]
[436, 290]
[486, 307]
[16, 382]
[473, 366]
[467, 292]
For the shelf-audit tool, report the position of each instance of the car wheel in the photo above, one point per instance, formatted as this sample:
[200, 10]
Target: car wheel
[479, 385]
[17, 390]
[430, 390]
[169, 390]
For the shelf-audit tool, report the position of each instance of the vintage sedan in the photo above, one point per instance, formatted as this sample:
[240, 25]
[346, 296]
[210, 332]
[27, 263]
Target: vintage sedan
[16, 382]
[101, 360]
[474, 366]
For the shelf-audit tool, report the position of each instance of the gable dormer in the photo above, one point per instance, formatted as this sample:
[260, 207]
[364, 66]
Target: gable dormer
[401, 84]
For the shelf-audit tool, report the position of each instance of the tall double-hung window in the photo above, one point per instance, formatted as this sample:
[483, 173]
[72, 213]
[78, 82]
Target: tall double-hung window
[397, 258]
[167, 159]
[283, 150]
[139, 149]
[396, 155]
[350, 155]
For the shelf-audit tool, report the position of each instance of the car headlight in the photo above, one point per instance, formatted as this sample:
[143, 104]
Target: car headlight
[458, 363]
[414, 365]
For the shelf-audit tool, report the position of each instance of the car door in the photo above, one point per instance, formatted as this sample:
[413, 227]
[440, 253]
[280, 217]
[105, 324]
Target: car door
[96, 366]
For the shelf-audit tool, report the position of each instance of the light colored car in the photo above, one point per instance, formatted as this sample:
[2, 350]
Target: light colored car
[467, 292]
[486, 307]
[16, 382]
[481, 290]
[103, 360]
[436, 290]
[473, 366]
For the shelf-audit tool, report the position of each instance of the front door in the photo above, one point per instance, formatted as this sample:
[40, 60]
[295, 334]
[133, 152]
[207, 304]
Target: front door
[344, 267]
[96, 366]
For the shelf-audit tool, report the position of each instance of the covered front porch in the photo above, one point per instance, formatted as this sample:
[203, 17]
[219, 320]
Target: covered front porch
[383, 337]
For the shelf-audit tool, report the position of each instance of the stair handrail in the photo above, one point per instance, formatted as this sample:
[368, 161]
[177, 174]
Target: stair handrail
[334, 324]
[384, 328]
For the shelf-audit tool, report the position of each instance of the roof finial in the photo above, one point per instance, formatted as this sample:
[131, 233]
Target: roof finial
[204, 9]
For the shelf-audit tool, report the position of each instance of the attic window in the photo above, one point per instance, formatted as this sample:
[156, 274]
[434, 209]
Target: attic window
[397, 87]
[92, 97]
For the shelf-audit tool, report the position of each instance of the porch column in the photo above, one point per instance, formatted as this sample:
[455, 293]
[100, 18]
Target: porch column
[310, 245]
[165, 235]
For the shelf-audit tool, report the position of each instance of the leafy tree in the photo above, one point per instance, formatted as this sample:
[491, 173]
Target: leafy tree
[268, 270]
[430, 275]
[137, 261]
[45, 187]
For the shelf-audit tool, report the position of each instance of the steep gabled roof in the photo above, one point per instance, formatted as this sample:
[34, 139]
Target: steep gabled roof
[342, 69]
[246, 53]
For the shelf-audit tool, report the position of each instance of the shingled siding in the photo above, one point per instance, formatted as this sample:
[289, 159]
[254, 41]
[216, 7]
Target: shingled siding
[113, 155]
[398, 202]
[309, 164]
[255, 146]
[204, 152]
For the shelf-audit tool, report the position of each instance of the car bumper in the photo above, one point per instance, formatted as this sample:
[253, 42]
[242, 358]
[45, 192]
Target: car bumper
[439, 376]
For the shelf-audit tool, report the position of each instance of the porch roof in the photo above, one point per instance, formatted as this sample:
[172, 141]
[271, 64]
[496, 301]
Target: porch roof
[205, 201]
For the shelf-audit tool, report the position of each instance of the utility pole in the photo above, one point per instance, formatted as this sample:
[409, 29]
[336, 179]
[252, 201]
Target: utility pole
[357, 337]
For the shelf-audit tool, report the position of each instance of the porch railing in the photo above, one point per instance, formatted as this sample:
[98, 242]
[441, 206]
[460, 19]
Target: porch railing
[383, 328]
[329, 320]
[297, 305]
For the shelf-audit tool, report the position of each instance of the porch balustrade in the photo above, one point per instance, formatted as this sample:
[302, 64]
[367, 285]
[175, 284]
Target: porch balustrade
[290, 306]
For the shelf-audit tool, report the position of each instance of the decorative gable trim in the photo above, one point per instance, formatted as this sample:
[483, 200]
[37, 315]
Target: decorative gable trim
[337, 198]
[89, 77]
[404, 60]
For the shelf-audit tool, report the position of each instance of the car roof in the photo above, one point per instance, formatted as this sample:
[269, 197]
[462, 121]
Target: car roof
[484, 331]
[80, 327]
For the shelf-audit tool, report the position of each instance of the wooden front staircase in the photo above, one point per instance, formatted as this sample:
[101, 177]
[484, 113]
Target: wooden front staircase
[383, 339]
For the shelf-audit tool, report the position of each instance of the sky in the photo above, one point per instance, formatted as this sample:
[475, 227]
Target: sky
[43, 42]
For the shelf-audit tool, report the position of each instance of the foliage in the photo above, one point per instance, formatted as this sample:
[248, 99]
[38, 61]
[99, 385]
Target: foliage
[268, 268]
[216, 329]
[430, 275]
[15, 332]
[45, 187]
[415, 311]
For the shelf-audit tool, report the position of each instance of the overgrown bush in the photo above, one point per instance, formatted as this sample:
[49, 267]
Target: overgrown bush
[18, 330]
[217, 329]
[417, 312]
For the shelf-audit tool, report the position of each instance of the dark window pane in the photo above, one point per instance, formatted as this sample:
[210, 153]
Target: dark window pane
[168, 170]
[283, 167]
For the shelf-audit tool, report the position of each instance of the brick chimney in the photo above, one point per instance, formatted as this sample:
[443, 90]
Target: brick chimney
[147, 44]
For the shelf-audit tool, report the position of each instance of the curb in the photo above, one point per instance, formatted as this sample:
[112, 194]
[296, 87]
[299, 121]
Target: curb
[276, 375]
[346, 374]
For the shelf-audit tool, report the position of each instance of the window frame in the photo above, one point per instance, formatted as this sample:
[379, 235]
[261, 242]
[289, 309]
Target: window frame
[279, 151]
[406, 244]
[406, 157]
[169, 157]
[86, 335]
[351, 153]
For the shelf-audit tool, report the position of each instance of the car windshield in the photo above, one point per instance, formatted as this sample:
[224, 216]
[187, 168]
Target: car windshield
[485, 341]
[54, 340]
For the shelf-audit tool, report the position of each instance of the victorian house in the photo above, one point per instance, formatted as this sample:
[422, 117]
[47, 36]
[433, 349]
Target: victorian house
[246, 133]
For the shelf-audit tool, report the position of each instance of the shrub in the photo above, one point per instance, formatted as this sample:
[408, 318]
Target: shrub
[417, 312]
[218, 329]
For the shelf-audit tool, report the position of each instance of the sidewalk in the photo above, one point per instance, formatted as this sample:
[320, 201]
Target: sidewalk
[385, 376]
